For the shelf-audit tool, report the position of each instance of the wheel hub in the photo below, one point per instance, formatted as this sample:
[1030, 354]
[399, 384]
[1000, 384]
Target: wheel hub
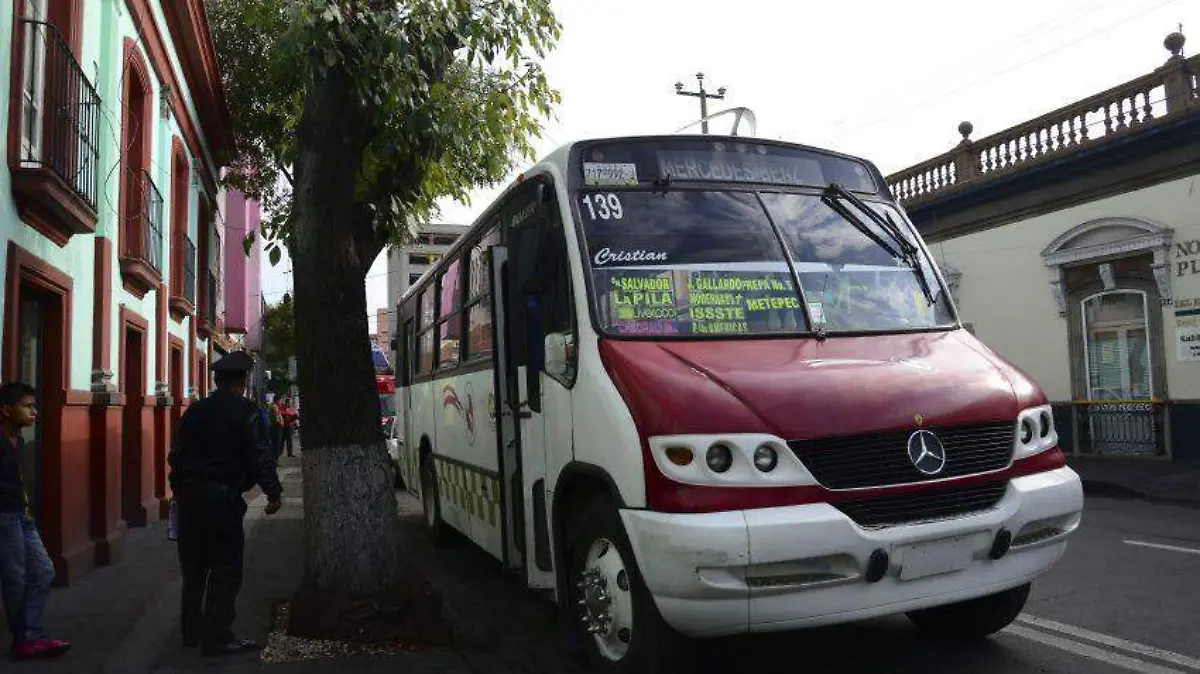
[605, 600]
[595, 602]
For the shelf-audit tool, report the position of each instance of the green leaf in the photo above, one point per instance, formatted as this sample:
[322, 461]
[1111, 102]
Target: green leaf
[275, 254]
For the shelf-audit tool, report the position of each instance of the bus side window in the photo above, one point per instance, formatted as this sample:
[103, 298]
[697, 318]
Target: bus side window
[406, 354]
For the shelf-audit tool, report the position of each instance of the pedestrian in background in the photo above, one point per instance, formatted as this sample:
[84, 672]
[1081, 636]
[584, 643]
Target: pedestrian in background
[222, 451]
[26, 571]
[276, 418]
[291, 418]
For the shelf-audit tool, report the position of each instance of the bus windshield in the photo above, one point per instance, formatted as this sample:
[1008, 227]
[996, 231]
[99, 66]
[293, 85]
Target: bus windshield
[709, 262]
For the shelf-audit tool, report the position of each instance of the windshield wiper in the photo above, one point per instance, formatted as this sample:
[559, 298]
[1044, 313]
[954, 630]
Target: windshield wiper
[907, 251]
[662, 182]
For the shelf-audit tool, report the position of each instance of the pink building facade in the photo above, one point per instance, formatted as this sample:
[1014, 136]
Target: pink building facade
[243, 287]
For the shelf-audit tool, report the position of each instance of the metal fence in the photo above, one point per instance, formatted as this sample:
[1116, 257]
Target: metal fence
[152, 217]
[189, 271]
[63, 117]
[1121, 428]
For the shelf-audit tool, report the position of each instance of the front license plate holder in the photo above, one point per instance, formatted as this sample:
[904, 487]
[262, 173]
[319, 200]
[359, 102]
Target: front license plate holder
[934, 558]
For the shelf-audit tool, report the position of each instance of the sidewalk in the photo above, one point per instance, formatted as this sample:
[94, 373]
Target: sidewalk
[124, 619]
[99, 612]
[1159, 481]
[119, 618]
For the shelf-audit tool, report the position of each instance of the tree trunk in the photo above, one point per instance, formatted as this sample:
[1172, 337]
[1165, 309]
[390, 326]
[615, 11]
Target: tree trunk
[352, 541]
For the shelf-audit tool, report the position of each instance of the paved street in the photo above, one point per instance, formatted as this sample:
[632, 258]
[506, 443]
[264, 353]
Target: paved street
[1123, 599]
[1109, 606]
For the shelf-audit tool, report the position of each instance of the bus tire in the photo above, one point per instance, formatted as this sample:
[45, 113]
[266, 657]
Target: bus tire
[602, 563]
[974, 618]
[431, 503]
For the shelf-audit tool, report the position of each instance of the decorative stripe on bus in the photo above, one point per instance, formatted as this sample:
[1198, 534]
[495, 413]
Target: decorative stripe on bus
[473, 489]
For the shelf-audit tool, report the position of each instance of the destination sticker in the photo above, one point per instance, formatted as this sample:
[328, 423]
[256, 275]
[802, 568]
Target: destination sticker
[608, 174]
[702, 304]
[817, 311]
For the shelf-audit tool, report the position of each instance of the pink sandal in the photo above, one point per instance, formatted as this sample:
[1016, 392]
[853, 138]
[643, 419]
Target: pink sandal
[40, 648]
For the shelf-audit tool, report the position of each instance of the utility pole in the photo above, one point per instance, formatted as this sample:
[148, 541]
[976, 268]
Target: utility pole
[703, 95]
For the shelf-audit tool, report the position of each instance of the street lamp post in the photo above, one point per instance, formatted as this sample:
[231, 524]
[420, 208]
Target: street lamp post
[703, 95]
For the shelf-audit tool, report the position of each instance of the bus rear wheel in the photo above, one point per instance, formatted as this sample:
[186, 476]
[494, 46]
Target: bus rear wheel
[974, 618]
[431, 502]
[624, 632]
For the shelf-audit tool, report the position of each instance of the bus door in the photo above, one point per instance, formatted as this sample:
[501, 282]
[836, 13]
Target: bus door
[405, 367]
[521, 425]
[508, 417]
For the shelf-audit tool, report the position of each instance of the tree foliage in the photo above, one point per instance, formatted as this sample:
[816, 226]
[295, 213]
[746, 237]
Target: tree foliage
[279, 337]
[353, 119]
[453, 90]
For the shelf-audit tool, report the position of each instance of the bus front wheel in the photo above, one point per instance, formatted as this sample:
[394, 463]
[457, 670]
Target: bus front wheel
[624, 632]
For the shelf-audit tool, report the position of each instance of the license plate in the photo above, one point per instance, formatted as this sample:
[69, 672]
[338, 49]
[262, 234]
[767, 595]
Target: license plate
[936, 557]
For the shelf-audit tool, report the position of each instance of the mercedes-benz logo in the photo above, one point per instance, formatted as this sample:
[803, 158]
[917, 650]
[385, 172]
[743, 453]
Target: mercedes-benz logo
[926, 452]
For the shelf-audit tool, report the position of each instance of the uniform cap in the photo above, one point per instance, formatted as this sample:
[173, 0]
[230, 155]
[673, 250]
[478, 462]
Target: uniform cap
[238, 361]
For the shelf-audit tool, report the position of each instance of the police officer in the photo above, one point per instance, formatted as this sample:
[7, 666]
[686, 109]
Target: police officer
[222, 450]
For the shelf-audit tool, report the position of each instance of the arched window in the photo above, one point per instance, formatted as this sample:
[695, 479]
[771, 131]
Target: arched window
[141, 240]
[183, 250]
[1116, 342]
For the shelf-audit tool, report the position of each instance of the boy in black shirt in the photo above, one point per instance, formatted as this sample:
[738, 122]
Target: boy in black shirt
[25, 569]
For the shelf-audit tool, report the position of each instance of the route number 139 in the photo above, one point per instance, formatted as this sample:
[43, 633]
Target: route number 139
[605, 206]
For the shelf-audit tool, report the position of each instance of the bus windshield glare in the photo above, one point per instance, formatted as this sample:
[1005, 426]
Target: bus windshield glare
[709, 262]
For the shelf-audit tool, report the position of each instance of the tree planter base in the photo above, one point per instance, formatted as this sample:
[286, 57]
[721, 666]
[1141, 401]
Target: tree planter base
[411, 618]
[281, 646]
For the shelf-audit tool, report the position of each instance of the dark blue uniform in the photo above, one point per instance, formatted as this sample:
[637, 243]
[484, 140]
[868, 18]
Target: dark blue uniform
[222, 451]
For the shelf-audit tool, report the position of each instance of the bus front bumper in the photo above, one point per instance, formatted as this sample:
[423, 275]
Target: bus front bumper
[790, 567]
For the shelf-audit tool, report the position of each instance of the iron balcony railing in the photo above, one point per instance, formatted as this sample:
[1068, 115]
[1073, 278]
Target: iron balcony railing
[60, 112]
[151, 221]
[210, 302]
[189, 271]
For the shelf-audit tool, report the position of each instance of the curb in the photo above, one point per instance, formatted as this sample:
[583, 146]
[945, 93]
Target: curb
[1114, 490]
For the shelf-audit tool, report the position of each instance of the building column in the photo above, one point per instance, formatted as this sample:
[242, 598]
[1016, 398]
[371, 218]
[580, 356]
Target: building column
[107, 527]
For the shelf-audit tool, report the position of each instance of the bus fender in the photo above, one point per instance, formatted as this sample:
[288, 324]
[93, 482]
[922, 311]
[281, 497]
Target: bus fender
[578, 484]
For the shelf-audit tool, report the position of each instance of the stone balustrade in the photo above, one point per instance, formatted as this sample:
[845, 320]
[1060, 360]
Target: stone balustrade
[1166, 94]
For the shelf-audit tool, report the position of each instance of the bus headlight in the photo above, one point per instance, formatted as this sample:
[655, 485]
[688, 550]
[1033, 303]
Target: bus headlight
[1035, 432]
[719, 458]
[1026, 431]
[766, 458]
[729, 459]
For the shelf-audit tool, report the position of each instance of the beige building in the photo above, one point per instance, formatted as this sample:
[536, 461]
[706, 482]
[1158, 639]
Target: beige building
[405, 265]
[383, 333]
[1072, 243]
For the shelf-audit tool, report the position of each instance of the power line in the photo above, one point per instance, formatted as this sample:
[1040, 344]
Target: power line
[974, 83]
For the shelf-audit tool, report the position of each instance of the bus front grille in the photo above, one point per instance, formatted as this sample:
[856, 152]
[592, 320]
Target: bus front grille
[931, 505]
[881, 459]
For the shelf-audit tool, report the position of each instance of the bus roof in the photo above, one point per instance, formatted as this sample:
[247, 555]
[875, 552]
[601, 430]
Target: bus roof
[559, 159]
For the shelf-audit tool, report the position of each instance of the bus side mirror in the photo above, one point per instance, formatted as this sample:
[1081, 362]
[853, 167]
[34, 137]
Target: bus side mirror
[556, 354]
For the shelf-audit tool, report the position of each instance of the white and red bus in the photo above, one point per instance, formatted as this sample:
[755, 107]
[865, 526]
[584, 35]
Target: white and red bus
[694, 386]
